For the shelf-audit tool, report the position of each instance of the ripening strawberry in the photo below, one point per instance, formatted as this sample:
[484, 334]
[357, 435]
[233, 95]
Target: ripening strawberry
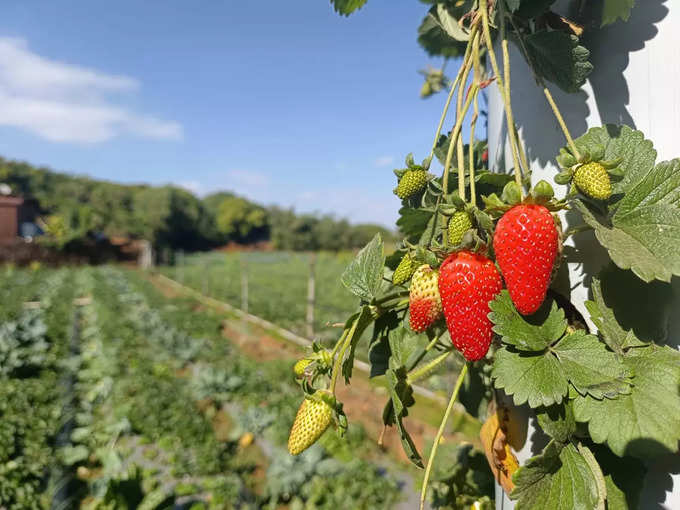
[467, 283]
[458, 225]
[526, 245]
[312, 420]
[411, 183]
[404, 270]
[593, 180]
[425, 306]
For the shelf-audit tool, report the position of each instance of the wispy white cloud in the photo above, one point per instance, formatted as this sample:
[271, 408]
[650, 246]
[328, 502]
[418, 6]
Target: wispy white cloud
[194, 186]
[67, 103]
[383, 161]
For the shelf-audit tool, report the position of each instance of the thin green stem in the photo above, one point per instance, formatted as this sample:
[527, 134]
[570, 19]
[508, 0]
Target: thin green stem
[560, 121]
[339, 343]
[440, 432]
[426, 369]
[338, 361]
[454, 85]
[454, 137]
[505, 96]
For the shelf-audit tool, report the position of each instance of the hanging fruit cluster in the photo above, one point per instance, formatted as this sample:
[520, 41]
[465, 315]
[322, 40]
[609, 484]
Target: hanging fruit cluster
[474, 277]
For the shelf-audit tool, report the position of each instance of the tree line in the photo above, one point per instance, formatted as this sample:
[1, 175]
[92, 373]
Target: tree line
[73, 208]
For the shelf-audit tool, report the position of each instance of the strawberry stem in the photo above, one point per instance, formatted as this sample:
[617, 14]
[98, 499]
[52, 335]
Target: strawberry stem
[425, 370]
[454, 85]
[338, 361]
[440, 432]
[560, 121]
[500, 81]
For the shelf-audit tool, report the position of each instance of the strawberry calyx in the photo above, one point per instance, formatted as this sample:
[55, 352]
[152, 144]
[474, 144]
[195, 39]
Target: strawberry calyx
[541, 194]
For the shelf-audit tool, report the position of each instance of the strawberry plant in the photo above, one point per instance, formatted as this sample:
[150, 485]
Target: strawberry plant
[597, 375]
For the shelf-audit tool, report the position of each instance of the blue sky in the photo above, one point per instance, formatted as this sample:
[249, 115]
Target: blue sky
[282, 102]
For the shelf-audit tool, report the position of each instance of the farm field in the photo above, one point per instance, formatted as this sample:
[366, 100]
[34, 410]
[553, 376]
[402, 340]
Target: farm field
[277, 285]
[277, 291]
[114, 394]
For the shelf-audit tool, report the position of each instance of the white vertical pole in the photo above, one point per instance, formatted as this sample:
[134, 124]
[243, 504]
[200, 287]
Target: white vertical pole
[635, 82]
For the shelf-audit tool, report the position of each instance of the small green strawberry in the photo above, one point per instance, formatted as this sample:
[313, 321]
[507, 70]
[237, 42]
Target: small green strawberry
[425, 305]
[412, 182]
[311, 421]
[404, 270]
[593, 180]
[458, 225]
[300, 366]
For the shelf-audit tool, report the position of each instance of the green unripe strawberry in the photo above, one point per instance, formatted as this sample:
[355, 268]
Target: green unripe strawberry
[404, 270]
[300, 366]
[593, 180]
[412, 182]
[311, 421]
[458, 225]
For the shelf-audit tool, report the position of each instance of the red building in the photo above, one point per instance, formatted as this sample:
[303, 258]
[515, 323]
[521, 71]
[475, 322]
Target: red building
[10, 211]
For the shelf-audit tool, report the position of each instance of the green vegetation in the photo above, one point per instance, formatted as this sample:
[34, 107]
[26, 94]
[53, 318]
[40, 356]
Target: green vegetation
[113, 397]
[73, 207]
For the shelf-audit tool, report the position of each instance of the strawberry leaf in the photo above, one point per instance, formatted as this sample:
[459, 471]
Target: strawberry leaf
[530, 377]
[557, 421]
[559, 478]
[533, 8]
[637, 153]
[363, 319]
[440, 34]
[363, 276]
[624, 478]
[347, 7]
[613, 10]
[590, 367]
[538, 363]
[643, 423]
[613, 334]
[519, 333]
[644, 240]
[558, 57]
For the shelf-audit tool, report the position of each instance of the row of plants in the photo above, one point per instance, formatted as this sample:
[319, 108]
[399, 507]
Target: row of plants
[33, 350]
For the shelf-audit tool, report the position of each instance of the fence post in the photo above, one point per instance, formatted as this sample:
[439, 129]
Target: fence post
[311, 296]
[244, 285]
[180, 266]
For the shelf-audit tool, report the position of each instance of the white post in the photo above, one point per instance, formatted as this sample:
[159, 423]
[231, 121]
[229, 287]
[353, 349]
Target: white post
[635, 82]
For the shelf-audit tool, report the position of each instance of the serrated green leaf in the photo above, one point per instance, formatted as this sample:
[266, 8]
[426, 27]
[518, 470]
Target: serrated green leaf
[558, 57]
[558, 479]
[621, 142]
[363, 276]
[612, 333]
[613, 10]
[645, 422]
[439, 33]
[590, 367]
[379, 350]
[534, 378]
[363, 319]
[516, 331]
[624, 479]
[347, 7]
[647, 316]
[557, 421]
[644, 240]
[412, 222]
[401, 394]
[661, 186]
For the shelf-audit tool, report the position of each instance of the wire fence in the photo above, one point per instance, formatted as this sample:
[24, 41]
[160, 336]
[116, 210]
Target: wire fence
[299, 291]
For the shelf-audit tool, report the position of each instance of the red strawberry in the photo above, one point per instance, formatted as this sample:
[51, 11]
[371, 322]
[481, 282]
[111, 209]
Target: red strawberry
[467, 282]
[526, 244]
[425, 305]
